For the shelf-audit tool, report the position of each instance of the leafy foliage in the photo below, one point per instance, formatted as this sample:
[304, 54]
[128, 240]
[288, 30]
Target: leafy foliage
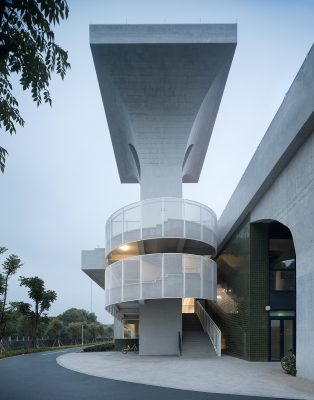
[28, 48]
[42, 298]
[77, 315]
[108, 346]
[54, 331]
[10, 266]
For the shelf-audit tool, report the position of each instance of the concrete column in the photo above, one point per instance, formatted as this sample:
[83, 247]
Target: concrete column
[136, 329]
[118, 329]
[160, 324]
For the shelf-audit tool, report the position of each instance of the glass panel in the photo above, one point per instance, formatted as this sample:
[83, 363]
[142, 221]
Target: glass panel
[173, 220]
[152, 276]
[188, 305]
[207, 226]
[116, 230]
[152, 219]
[192, 269]
[107, 286]
[108, 237]
[282, 280]
[284, 264]
[131, 289]
[115, 283]
[282, 313]
[132, 224]
[288, 336]
[275, 339]
[173, 275]
[209, 280]
[192, 214]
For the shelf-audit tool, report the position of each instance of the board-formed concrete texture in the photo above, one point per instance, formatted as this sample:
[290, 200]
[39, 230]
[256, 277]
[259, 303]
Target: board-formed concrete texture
[93, 263]
[161, 87]
[278, 185]
[160, 319]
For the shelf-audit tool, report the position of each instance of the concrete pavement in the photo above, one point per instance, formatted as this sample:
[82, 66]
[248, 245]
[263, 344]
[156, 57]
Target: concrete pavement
[226, 375]
[38, 377]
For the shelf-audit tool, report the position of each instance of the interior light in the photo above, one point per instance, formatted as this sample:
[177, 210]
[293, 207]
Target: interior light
[125, 247]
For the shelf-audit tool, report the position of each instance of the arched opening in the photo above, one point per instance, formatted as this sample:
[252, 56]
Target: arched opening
[256, 296]
[136, 159]
[282, 291]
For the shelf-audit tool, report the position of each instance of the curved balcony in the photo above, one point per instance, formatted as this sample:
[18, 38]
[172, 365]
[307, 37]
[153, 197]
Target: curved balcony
[152, 220]
[156, 276]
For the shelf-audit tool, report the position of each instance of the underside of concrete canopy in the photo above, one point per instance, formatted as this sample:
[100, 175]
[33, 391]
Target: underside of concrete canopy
[161, 87]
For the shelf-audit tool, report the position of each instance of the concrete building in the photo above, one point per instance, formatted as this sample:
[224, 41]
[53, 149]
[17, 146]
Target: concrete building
[161, 87]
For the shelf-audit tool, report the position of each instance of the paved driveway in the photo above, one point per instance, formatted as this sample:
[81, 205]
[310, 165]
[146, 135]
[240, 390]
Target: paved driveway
[39, 377]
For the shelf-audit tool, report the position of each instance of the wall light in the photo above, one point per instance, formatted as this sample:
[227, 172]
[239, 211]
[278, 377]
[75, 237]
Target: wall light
[124, 247]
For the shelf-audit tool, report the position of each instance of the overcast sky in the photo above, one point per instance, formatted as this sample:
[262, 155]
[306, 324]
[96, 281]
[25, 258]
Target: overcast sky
[61, 180]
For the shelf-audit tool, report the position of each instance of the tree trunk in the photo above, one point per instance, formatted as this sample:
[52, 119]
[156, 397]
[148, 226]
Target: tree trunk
[2, 316]
[36, 324]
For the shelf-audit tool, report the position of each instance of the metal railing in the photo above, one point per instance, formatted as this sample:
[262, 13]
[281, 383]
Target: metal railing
[209, 327]
[160, 275]
[161, 217]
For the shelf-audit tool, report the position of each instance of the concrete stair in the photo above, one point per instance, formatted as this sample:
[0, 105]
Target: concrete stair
[195, 342]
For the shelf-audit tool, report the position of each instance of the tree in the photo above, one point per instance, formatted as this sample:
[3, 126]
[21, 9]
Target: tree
[95, 329]
[54, 331]
[42, 298]
[28, 48]
[10, 266]
[77, 315]
[74, 330]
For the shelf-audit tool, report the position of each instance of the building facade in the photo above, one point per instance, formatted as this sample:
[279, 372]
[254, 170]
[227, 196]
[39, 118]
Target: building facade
[252, 271]
[161, 87]
[266, 240]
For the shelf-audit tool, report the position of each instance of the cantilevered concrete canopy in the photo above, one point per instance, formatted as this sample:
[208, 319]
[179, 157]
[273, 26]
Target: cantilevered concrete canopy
[161, 87]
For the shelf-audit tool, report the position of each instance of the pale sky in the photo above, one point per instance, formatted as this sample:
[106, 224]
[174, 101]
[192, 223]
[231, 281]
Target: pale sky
[61, 182]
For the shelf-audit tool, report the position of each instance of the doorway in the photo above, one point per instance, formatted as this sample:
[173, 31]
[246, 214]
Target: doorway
[282, 337]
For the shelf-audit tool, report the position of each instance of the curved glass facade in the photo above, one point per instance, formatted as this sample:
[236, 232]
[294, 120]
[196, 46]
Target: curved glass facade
[155, 276]
[161, 218]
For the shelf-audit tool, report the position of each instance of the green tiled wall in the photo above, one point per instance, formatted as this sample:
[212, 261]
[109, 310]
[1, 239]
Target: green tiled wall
[242, 295]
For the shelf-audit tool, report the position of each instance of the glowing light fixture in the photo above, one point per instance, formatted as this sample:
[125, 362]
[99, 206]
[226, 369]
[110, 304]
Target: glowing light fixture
[125, 247]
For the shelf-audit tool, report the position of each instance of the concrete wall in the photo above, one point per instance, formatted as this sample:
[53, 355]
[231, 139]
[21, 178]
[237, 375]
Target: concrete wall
[161, 87]
[290, 200]
[292, 124]
[118, 329]
[278, 184]
[160, 322]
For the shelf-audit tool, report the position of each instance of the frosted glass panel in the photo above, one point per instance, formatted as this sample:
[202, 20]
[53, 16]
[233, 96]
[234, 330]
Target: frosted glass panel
[152, 276]
[132, 224]
[116, 230]
[161, 217]
[173, 275]
[155, 276]
[152, 219]
[131, 290]
[192, 268]
[173, 218]
[193, 221]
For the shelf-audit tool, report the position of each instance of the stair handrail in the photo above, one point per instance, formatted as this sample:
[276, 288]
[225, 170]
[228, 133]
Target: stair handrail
[209, 327]
[180, 343]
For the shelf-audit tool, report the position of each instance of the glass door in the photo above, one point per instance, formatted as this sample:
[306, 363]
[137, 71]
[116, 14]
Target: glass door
[282, 337]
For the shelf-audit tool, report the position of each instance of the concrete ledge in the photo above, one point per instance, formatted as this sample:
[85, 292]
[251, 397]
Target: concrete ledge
[214, 375]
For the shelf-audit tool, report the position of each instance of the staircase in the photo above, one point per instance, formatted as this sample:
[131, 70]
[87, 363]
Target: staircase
[195, 342]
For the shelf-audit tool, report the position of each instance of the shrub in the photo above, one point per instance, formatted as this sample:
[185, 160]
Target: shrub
[108, 346]
[120, 344]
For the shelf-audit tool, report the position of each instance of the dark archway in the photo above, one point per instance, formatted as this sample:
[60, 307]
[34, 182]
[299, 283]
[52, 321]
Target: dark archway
[281, 287]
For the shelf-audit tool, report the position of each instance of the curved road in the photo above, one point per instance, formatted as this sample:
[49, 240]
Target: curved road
[39, 377]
